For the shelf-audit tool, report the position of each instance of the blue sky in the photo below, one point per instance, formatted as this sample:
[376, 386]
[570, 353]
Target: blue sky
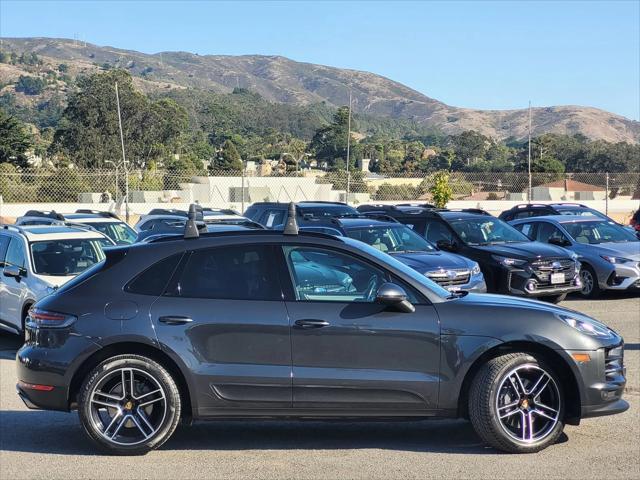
[470, 54]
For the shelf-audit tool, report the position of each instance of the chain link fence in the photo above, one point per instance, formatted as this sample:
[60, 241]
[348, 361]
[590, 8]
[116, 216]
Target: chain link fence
[139, 191]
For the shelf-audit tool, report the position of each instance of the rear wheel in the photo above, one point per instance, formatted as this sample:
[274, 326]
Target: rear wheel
[516, 404]
[129, 405]
[589, 279]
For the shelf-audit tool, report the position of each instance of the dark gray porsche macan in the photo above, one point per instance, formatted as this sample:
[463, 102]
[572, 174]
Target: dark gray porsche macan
[264, 324]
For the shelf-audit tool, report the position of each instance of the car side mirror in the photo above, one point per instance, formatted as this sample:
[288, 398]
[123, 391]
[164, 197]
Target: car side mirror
[13, 271]
[446, 245]
[393, 295]
[561, 242]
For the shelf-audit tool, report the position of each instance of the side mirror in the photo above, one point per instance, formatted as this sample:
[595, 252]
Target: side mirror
[561, 242]
[13, 271]
[446, 245]
[393, 295]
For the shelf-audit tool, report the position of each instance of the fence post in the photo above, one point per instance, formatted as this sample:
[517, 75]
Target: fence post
[244, 167]
[348, 185]
[606, 197]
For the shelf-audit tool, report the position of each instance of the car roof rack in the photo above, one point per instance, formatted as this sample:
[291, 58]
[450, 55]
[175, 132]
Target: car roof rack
[378, 216]
[291, 227]
[478, 211]
[195, 222]
[100, 213]
[416, 204]
[45, 214]
[172, 211]
[569, 204]
[525, 205]
[326, 202]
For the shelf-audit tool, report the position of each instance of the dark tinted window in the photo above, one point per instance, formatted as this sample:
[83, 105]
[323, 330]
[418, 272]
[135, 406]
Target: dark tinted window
[436, 231]
[4, 243]
[155, 278]
[273, 218]
[232, 273]
[523, 214]
[15, 254]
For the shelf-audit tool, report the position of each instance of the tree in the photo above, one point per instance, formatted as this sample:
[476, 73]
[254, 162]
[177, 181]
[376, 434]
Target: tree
[330, 142]
[229, 159]
[30, 85]
[14, 140]
[88, 132]
[441, 192]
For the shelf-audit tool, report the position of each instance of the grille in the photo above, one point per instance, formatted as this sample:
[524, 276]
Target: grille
[442, 277]
[544, 268]
[614, 364]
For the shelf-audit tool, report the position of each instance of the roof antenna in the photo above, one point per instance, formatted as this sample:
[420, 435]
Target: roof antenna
[291, 228]
[191, 227]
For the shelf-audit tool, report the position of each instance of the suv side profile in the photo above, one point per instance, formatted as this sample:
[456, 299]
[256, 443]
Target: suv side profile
[526, 210]
[269, 324]
[274, 215]
[35, 260]
[510, 262]
[107, 223]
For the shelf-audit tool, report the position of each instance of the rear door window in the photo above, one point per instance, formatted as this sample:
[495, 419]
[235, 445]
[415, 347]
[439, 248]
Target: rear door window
[15, 254]
[273, 218]
[242, 272]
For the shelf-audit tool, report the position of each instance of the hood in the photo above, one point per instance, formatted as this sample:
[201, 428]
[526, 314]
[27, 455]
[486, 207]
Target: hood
[629, 250]
[525, 250]
[55, 280]
[425, 261]
[491, 300]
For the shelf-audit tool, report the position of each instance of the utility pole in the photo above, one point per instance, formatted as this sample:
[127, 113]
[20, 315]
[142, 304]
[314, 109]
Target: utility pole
[529, 157]
[124, 159]
[348, 149]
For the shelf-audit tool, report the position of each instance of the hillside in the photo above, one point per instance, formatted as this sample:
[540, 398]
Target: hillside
[278, 79]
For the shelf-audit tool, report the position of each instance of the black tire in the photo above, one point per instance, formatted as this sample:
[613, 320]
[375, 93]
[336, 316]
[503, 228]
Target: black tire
[555, 298]
[483, 404]
[168, 407]
[586, 273]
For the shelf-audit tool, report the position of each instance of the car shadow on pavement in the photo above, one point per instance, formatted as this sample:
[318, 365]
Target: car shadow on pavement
[61, 434]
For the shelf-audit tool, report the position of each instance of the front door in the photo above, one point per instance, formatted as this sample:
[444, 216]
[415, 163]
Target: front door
[224, 315]
[348, 351]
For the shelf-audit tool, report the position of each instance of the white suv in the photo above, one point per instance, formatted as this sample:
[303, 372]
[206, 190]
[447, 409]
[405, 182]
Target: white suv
[107, 223]
[35, 260]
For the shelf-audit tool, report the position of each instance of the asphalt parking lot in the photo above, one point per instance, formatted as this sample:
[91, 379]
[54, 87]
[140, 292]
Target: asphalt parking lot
[52, 445]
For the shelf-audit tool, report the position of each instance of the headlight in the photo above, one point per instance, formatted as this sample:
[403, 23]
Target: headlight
[475, 270]
[586, 325]
[616, 260]
[509, 262]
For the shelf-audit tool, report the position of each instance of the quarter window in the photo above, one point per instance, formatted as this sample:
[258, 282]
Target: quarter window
[330, 276]
[155, 278]
[231, 273]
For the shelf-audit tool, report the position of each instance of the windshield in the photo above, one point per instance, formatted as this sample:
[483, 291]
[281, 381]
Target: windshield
[391, 239]
[486, 231]
[120, 233]
[598, 231]
[67, 257]
[582, 212]
[417, 277]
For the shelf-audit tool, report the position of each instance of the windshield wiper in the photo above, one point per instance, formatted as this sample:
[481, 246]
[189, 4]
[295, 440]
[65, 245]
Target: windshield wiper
[458, 294]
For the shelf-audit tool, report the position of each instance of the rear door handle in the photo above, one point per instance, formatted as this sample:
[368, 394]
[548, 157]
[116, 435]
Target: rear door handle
[175, 320]
[311, 323]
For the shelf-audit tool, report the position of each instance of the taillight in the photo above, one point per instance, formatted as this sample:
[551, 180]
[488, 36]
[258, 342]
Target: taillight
[45, 319]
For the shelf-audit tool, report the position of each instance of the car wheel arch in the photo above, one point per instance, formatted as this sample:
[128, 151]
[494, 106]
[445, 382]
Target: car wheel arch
[573, 394]
[25, 309]
[143, 349]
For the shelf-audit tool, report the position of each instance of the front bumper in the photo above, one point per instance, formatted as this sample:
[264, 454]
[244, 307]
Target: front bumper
[603, 381]
[525, 283]
[626, 276]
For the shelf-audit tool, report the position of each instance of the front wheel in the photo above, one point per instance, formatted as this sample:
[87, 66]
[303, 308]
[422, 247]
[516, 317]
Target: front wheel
[516, 404]
[129, 405]
[589, 279]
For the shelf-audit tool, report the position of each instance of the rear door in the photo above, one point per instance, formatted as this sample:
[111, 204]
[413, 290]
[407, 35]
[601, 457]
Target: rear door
[350, 352]
[11, 295]
[224, 316]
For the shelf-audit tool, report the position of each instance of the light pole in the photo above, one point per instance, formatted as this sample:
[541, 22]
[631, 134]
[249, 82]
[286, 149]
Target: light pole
[529, 156]
[124, 159]
[348, 148]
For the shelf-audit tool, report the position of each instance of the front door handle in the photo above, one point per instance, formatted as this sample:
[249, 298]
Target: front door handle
[175, 320]
[311, 323]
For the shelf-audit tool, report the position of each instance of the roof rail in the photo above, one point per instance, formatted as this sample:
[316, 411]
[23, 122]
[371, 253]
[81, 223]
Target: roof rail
[10, 226]
[291, 228]
[98, 212]
[379, 216]
[524, 205]
[173, 211]
[479, 211]
[569, 203]
[323, 201]
[44, 214]
[416, 204]
[195, 223]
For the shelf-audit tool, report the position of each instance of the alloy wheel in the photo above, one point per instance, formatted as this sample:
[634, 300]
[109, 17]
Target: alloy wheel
[528, 404]
[587, 281]
[128, 406]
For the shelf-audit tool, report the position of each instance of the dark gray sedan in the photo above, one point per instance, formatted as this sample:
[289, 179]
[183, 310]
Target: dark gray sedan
[609, 254]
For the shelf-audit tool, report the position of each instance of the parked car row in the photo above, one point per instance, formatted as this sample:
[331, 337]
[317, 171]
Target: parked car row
[295, 323]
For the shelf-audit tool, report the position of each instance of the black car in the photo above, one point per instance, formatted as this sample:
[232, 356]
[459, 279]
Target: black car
[266, 324]
[526, 210]
[274, 215]
[511, 262]
[449, 270]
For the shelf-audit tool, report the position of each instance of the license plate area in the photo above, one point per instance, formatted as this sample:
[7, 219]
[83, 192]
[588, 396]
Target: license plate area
[557, 278]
